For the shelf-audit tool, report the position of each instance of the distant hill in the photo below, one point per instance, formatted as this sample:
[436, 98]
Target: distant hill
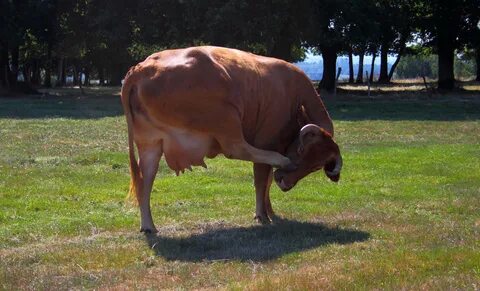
[313, 67]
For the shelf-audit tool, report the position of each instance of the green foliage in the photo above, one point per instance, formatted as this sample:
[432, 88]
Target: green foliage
[448, 21]
[139, 51]
[328, 22]
[33, 48]
[414, 66]
[465, 68]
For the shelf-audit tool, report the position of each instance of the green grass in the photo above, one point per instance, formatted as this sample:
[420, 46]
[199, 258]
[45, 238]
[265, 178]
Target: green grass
[405, 215]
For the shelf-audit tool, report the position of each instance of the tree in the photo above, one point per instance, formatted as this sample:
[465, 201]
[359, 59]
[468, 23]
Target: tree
[239, 24]
[361, 33]
[245, 25]
[442, 27]
[395, 31]
[470, 39]
[104, 38]
[416, 64]
[23, 31]
[326, 34]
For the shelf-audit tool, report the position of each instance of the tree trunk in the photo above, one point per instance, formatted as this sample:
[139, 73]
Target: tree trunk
[48, 75]
[329, 55]
[78, 76]
[48, 68]
[383, 78]
[64, 73]
[361, 56]
[87, 76]
[4, 66]
[372, 67]
[117, 75]
[101, 76]
[394, 66]
[403, 41]
[35, 73]
[14, 71]
[27, 74]
[351, 74]
[60, 72]
[75, 75]
[477, 60]
[446, 78]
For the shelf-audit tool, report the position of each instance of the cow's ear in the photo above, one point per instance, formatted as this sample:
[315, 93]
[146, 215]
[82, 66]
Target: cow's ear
[309, 134]
[325, 134]
[302, 117]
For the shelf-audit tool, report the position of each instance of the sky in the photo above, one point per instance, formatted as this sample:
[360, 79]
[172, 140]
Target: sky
[311, 58]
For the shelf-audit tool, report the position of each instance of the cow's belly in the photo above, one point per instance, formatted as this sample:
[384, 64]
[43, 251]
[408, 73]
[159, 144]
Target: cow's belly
[183, 148]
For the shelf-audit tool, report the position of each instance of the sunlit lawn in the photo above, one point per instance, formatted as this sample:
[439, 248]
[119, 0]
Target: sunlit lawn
[406, 213]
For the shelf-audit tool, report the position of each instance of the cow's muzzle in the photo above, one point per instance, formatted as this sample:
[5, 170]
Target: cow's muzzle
[332, 170]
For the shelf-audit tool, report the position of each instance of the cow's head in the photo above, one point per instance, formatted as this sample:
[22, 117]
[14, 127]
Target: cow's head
[313, 150]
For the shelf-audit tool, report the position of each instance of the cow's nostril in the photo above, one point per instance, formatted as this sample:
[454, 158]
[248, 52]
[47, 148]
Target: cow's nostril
[334, 178]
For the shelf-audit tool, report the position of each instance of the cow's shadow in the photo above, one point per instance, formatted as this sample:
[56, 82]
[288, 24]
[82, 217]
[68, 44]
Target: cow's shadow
[255, 243]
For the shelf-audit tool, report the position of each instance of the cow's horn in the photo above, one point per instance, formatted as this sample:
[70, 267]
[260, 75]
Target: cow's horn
[309, 128]
[338, 167]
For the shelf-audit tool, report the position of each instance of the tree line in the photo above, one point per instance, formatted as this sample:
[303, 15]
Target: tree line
[47, 40]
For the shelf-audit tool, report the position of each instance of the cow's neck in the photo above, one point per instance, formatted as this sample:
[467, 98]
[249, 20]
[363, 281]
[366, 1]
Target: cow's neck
[314, 107]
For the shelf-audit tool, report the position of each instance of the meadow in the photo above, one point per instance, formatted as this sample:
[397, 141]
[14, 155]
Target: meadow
[405, 214]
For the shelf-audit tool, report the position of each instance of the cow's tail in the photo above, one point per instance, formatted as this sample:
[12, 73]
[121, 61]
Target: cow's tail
[129, 91]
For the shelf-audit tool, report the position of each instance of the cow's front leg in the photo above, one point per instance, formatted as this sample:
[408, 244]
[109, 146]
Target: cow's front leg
[234, 146]
[241, 150]
[263, 180]
[148, 165]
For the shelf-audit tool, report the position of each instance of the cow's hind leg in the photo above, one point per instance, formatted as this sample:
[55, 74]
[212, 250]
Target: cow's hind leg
[266, 197]
[149, 158]
[262, 180]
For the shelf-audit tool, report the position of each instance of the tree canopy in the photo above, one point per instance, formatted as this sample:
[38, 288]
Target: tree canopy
[47, 40]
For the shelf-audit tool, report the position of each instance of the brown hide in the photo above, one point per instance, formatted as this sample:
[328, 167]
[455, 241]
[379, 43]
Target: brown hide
[208, 91]
[198, 102]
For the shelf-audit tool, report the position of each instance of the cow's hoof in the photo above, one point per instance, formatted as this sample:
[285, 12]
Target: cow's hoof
[262, 219]
[148, 230]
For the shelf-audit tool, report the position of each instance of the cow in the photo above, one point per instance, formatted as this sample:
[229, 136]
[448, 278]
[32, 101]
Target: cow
[188, 104]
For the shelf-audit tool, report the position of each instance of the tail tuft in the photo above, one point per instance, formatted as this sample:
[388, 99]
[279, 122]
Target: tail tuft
[133, 193]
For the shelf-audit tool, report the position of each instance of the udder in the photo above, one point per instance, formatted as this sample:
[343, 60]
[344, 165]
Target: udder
[184, 149]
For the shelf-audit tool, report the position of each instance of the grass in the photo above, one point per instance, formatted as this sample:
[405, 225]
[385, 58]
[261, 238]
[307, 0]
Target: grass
[405, 215]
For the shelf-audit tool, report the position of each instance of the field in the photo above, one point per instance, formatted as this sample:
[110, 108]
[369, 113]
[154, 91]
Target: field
[405, 215]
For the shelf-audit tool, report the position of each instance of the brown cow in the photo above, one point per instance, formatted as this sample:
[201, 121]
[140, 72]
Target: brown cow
[188, 104]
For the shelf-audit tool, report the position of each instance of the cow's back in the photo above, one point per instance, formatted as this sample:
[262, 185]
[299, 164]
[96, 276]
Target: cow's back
[181, 81]
[184, 98]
